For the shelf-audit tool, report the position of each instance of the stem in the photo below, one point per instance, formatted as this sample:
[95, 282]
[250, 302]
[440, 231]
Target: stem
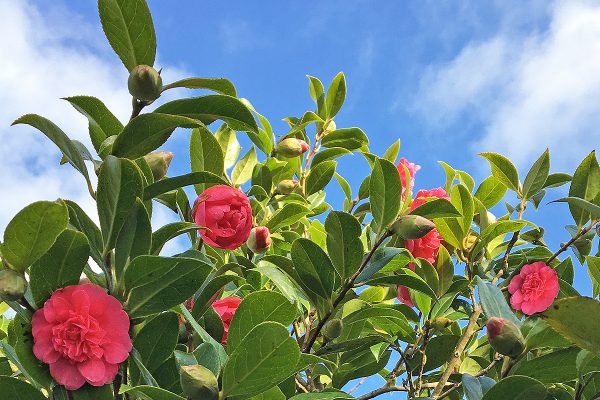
[565, 246]
[137, 107]
[510, 245]
[345, 288]
[480, 373]
[460, 347]
[423, 356]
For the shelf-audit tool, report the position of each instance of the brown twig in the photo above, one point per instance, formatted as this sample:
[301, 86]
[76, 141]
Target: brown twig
[345, 288]
[565, 246]
[136, 107]
[510, 246]
[423, 356]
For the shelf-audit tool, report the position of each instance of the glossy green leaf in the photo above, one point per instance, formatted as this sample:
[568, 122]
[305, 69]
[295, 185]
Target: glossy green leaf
[102, 122]
[537, 175]
[16, 389]
[493, 302]
[242, 171]
[329, 154]
[220, 85]
[152, 393]
[588, 208]
[437, 208]
[89, 392]
[320, 176]
[32, 232]
[290, 213]
[517, 388]
[128, 26]
[156, 284]
[346, 138]
[556, 367]
[255, 308]
[147, 132]
[134, 238]
[503, 170]
[205, 154]
[83, 223]
[156, 341]
[490, 191]
[314, 268]
[585, 185]
[557, 179]
[212, 107]
[168, 184]
[336, 94]
[168, 232]
[230, 146]
[60, 266]
[325, 395]
[384, 189]
[119, 185]
[343, 242]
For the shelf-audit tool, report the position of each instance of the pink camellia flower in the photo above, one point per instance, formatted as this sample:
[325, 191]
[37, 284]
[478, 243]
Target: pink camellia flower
[412, 169]
[82, 333]
[226, 308]
[534, 288]
[424, 195]
[226, 214]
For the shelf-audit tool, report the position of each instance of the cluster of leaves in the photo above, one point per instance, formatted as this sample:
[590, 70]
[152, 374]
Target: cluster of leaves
[318, 309]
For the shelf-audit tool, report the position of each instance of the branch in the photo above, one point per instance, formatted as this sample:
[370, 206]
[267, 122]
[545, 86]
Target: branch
[565, 246]
[480, 373]
[137, 107]
[510, 246]
[388, 389]
[460, 347]
[349, 284]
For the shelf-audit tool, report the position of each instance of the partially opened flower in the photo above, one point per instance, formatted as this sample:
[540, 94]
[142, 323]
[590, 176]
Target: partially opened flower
[412, 169]
[534, 288]
[82, 333]
[226, 308]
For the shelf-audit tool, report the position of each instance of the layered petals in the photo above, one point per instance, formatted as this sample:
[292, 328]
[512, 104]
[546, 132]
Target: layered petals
[534, 289]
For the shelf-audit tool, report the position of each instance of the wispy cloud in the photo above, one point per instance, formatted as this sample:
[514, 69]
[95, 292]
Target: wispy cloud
[528, 92]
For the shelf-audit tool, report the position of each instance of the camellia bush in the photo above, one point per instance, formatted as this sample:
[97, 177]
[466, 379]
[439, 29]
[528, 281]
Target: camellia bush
[278, 295]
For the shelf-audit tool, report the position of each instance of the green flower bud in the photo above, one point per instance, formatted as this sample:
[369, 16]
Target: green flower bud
[333, 328]
[259, 240]
[291, 147]
[287, 186]
[440, 323]
[505, 337]
[410, 227]
[159, 163]
[199, 383]
[144, 83]
[12, 285]
[329, 127]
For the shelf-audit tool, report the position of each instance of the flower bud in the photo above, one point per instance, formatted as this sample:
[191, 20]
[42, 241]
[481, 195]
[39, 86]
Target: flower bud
[505, 337]
[287, 186]
[333, 328]
[410, 227]
[144, 83]
[440, 323]
[159, 163]
[199, 383]
[12, 285]
[329, 127]
[259, 240]
[469, 242]
[291, 147]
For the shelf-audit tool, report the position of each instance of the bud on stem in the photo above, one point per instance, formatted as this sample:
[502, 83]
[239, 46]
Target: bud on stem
[410, 227]
[505, 337]
[287, 186]
[145, 83]
[159, 163]
[259, 240]
[291, 147]
[12, 285]
[199, 383]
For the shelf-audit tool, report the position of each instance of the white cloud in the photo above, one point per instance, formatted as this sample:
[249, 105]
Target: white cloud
[40, 64]
[529, 92]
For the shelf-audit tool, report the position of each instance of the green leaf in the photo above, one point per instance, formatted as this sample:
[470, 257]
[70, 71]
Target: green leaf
[498, 228]
[156, 284]
[220, 85]
[503, 170]
[258, 307]
[152, 393]
[517, 388]
[265, 357]
[437, 208]
[580, 204]
[571, 318]
[134, 238]
[556, 367]
[557, 179]
[493, 302]
[89, 392]
[490, 192]
[346, 138]
[325, 395]
[317, 93]
[314, 267]
[406, 278]
[102, 122]
[168, 232]
[229, 145]
[242, 171]
[36, 371]
[290, 213]
[328, 154]
[537, 175]
[16, 389]
[343, 242]
[129, 29]
[82, 222]
[119, 185]
[61, 266]
[61, 140]
[585, 185]
[156, 341]
[147, 132]
[392, 152]
[336, 94]
[205, 154]
[168, 184]
[320, 176]
[212, 107]
[384, 189]
[32, 232]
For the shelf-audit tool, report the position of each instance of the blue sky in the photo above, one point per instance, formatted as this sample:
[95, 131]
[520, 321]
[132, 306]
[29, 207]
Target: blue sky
[448, 78]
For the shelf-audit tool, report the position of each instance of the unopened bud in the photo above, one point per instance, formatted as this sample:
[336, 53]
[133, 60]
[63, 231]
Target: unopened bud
[469, 241]
[159, 163]
[329, 127]
[287, 186]
[12, 285]
[199, 383]
[144, 83]
[292, 147]
[505, 337]
[333, 328]
[440, 323]
[259, 240]
[410, 227]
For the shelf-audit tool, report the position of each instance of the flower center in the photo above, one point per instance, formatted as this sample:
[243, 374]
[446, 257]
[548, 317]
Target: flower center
[79, 337]
[232, 218]
[533, 286]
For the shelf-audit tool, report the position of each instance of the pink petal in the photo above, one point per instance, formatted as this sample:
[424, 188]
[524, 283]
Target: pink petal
[529, 308]
[115, 353]
[404, 296]
[66, 374]
[515, 284]
[44, 351]
[81, 302]
[93, 370]
[516, 300]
